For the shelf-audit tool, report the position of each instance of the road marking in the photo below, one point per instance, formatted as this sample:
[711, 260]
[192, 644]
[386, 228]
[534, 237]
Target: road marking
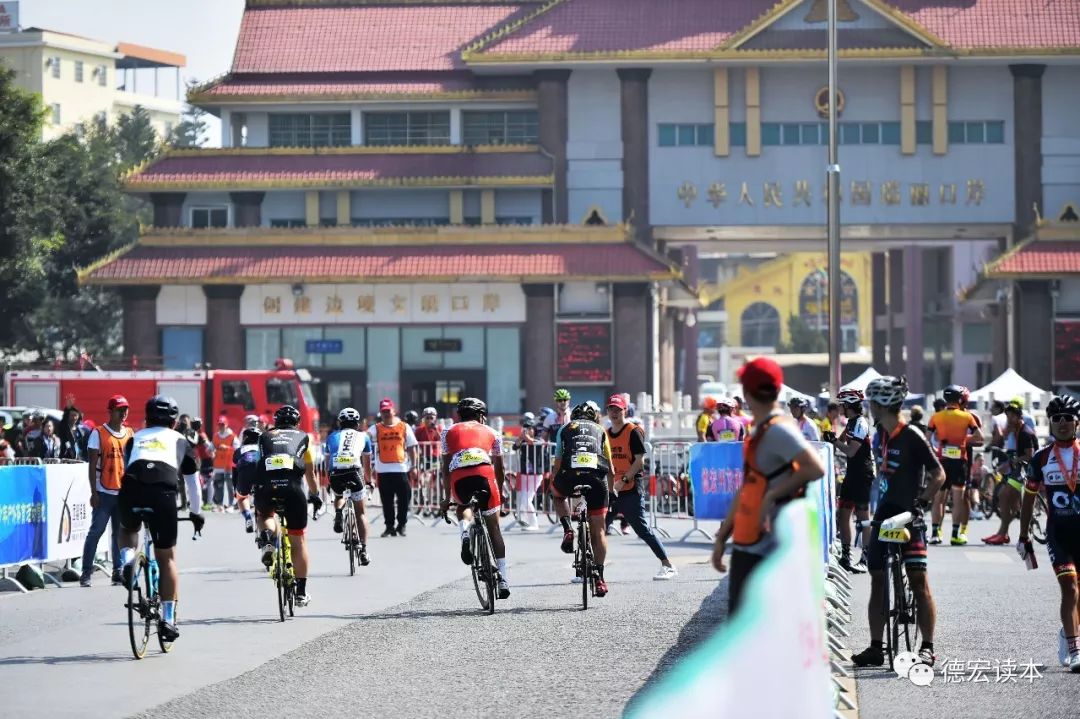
[987, 557]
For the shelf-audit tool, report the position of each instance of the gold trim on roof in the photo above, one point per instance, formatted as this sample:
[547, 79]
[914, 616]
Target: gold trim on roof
[136, 185]
[766, 19]
[83, 273]
[906, 23]
[350, 150]
[506, 30]
[477, 95]
[395, 279]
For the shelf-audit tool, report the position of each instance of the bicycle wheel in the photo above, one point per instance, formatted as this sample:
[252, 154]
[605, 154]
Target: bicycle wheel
[279, 580]
[290, 575]
[909, 615]
[479, 548]
[138, 610]
[895, 626]
[585, 563]
[1038, 531]
[351, 540]
[487, 570]
[887, 609]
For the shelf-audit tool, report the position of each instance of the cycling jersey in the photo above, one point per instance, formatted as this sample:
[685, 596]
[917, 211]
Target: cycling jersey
[809, 429]
[906, 455]
[345, 449]
[952, 428]
[726, 428]
[583, 445]
[158, 455]
[1054, 472]
[704, 423]
[284, 454]
[860, 466]
[472, 448]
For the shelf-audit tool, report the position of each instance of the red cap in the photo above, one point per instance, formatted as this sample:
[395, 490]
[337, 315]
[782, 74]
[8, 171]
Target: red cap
[617, 400]
[386, 404]
[222, 419]
[761, 374]
[117, 401]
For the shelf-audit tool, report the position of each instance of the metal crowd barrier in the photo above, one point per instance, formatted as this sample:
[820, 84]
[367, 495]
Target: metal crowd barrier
[671, 493]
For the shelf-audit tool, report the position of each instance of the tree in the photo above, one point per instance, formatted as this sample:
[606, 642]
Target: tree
[191, 130]
[804, 338]
[136, 139]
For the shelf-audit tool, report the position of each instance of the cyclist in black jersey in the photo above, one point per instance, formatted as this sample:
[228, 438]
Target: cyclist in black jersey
[906, 456]
[854, 496]
[1054, 470]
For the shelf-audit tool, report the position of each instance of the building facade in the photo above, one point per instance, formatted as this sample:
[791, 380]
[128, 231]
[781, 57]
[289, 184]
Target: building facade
[84, 80]
[387, 166]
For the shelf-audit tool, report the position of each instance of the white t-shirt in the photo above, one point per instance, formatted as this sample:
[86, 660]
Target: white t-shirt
[391, 467]
[809, 429]
[94, 443]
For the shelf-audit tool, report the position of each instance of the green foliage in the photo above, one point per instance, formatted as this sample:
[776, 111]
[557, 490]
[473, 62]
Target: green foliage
[804, 339]
[61, 208]
[191, 130]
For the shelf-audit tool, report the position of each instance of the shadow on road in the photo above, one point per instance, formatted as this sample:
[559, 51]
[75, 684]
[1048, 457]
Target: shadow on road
[75, 659]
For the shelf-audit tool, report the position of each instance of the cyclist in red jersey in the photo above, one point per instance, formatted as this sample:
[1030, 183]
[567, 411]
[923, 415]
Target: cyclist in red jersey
[472, 461]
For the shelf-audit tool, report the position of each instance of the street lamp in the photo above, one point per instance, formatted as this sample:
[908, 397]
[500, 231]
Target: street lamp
[833, 178]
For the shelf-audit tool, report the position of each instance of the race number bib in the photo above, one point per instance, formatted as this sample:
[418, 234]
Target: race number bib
[583, 460]
[344, 460]
[472, 457]
[278, 462]
[896, 536]
[727, 436]
[952, 453]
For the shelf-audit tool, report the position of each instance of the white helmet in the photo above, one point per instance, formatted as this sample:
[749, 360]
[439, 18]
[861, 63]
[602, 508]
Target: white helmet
[887, 391]
[429, 412]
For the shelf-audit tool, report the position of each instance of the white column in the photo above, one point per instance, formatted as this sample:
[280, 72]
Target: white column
[357, 126]
[455, 126]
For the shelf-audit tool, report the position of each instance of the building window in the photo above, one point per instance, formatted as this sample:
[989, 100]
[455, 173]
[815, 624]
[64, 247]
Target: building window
[400, 221]
[288, 223]
[501, 127]
[202, 217]
[671, 135]
[407, 128]
[977, 133]
[331, 129]
[78, 71]
[54, 110]
[102, 75]
[54, 66]
[738, 134]
[760, 326]
[924, 132]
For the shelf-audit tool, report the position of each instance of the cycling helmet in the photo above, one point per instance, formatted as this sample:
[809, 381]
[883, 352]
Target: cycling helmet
[562, 394]
[939, 404]
[1063, 404]
[709, 403]
[411, 417]
[545, 412]
[286, 416]
[528, 417]
[953, 394]
[250, 435]
[965, 395]
[801, 402]
[586, 410]
[161, 410]
[850, 397]
[725, 405]
[349, 416]
[471, 408]
[887, 391]
[1017, 402]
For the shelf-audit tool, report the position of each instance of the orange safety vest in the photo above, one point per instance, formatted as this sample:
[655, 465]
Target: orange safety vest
[223, 451]
[391, 441]
[747, 529]
[111, 456]
[621, 456]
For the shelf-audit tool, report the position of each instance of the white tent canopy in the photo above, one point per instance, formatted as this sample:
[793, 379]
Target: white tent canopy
[1010, 384]
[787, 393]
[860, 383]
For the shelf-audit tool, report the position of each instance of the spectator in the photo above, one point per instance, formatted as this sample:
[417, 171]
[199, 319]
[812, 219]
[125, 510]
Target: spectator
[427, 431]
[917, 419]
[703, 423]
[396, 463]
[204, 451]
[24, 433]
[73, 435]
[225, 441]
[105, 452]
[530, 471]
[46, 445]
[6, 450]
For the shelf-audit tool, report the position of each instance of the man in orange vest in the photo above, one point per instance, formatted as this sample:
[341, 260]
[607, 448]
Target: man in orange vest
[396, 461]
[105, 451]
[778, 464]
[225, 441]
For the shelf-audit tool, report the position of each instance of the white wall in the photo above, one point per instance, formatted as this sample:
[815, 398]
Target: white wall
[594, 146]
[1061, 139]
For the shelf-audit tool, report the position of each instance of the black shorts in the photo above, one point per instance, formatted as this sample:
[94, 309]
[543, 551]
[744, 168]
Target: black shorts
[597, 496]
[285, 496]
[153, 505]
[956, 472]
[1063, 546]
[855, 492]
[912, 552]
[348, 483]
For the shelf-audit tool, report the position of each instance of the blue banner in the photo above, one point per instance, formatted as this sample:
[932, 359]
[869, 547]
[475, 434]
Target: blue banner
[22, 514]
[716, 473]
[324, 347]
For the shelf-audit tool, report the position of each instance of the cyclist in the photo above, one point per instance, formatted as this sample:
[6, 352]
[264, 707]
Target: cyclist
[798, 407]
[245, 468]
[348, 452]
[1054, 470]
[472, 461]
[583, 456]
[832, 424]
[553, 421]
[907, 455]
[951, 430]
[155, 459]
[854, 497]
[1019, 444]
[286, 460]
[703, 423]
[627, 443]
[725, 427]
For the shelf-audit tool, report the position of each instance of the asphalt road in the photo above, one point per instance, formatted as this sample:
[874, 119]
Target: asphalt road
[403, 638]
[990, 608]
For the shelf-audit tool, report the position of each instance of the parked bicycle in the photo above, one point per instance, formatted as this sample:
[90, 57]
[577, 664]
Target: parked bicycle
[144, 607]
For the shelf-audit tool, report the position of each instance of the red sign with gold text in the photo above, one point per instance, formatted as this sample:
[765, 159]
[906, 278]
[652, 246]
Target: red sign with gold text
[583, 353]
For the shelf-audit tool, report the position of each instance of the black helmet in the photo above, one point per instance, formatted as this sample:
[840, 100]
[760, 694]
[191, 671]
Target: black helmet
[411, 417]
[1063, 404]
[161, 410]
[286, 416]
[250, 435]
[953, 394]
[586, 410]
[471, 408]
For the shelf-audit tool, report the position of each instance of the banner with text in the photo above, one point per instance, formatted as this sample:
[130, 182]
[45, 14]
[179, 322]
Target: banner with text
[716, 473]
[67, 510]
[22, 514]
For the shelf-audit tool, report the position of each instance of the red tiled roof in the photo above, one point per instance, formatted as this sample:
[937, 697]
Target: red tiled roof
[359, 39]
[360, 263]
[1038, 258]
[358, 84]
[977, 24]
[239, 171]
[584, 26]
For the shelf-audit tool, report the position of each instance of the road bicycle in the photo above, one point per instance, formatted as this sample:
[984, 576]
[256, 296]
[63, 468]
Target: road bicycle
[898, 600]
[584, 561]
[144, 599]
[350, 535]
[485, 575]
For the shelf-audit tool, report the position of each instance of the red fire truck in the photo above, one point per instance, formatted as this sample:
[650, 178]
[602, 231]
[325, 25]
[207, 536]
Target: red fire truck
[200, 393]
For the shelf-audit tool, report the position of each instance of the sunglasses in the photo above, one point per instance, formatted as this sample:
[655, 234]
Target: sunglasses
[1059, 418]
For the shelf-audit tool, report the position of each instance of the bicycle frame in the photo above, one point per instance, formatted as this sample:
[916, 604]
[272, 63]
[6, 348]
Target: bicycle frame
[147, 608]
[584, 563]
[898, 603]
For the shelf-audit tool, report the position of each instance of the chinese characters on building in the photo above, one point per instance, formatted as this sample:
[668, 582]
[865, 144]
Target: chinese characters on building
[865, 193]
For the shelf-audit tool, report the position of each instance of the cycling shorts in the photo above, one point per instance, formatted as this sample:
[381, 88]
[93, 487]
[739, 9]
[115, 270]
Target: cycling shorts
[597, 496]
[285, 496]
[854, 492]
[913, 551]
[160, 520]
[244, 484]
[956, 472]
[464, 486]
[349, 482]
[1063, 546]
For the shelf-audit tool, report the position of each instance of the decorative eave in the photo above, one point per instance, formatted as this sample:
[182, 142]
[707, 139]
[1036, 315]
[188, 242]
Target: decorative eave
[905, 22]
[343, 150]
[1041, 232]
[471, 53]
[767, 18]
